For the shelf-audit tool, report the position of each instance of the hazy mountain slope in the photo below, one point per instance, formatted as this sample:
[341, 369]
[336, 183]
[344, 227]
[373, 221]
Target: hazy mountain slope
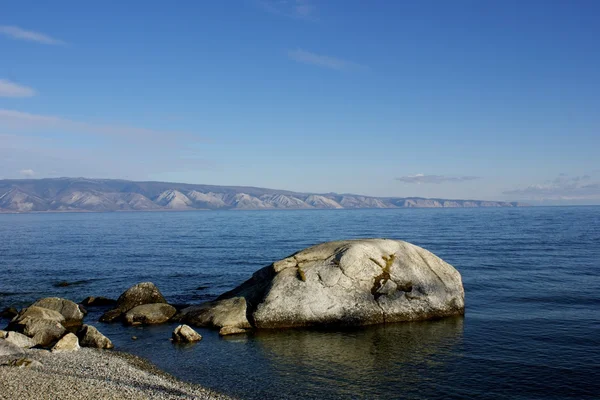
[81, 194]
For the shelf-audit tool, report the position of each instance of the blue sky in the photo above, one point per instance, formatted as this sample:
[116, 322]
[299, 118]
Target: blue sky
[463, 99]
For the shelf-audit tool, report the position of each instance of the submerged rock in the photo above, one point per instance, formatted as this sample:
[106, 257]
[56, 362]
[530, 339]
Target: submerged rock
[72, 313]
[69, 342]
[142, 293]
[89, 336]
[344, 283]
[149, 314]
[9, 313]
[99, 301]
[185, 334]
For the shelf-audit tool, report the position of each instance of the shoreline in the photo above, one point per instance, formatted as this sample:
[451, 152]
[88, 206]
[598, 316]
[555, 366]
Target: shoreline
[91, 373]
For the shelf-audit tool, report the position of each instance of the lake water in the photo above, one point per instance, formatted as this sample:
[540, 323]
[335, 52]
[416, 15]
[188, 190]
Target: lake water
[531, 277]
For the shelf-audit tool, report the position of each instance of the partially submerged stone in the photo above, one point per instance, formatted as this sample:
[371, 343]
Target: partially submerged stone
[149, 314]
[89, 336]
[69, 342]
[345, 283]
[99, 301]
[228, 312]
[185, 334]
[231, 330]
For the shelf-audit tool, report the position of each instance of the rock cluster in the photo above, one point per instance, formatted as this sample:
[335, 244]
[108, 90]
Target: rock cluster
[140, 294]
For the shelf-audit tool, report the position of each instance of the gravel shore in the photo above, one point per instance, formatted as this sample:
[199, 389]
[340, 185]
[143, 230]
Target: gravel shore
[91, 374]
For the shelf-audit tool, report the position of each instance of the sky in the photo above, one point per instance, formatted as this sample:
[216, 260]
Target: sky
[491, 100]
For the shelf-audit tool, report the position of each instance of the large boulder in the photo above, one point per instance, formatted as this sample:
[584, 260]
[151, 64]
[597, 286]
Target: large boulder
[185, 334]
[142, 293]
[149, 314]
[43, 325]
[344, 283]
[69, 342]
[89, 336]
[72, 313]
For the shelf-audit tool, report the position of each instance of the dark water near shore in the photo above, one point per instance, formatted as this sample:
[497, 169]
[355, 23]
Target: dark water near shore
[531, 276]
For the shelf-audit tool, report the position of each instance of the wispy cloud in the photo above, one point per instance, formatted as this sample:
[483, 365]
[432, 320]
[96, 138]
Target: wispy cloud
[11, 89]
[563, 187]
[306, 57]
[299, 9]
[18, 120]
[434, 179]
[27, 173]
[15, 32]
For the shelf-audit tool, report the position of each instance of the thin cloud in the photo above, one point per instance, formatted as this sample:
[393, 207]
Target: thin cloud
[18, 120]
[17, 33]
[28, 173]
[338, 64]
[434, 179]
[298, 9]
[11, 89]
[561, 188]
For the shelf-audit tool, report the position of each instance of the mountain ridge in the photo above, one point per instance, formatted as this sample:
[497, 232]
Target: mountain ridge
[103, 195]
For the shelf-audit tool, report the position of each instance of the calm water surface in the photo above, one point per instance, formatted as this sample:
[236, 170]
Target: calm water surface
[531, 276]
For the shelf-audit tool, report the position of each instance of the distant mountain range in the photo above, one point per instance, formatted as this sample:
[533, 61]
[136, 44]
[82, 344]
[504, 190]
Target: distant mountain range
[81, 194]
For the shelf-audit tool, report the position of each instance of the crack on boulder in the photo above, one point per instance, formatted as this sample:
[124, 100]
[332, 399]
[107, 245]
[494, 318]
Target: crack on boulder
[382, 278]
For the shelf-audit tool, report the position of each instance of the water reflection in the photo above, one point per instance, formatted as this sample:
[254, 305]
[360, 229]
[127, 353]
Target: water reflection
[367, 362]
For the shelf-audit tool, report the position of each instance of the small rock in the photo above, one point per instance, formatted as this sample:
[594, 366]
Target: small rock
[9, 349]
[231, 330]
[149, 314]
[3, 334]
[62, 284]
[9, 313]
[134, 338]
[185, 334]
[69, 342]
[89, 336]
[99, 301]
[20, 340]
[68, 309]
[24, 363]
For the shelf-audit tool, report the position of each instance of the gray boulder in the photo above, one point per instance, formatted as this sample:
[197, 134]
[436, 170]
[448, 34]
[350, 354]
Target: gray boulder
[345, 283]
[70, 310]
[185, 334]
[69, 342]
[142, 293]
[89, 336]
[149, 314]
[20, 340]
[9, 349]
